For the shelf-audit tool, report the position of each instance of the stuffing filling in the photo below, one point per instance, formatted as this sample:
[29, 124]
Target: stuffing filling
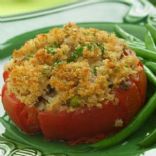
[71, 67]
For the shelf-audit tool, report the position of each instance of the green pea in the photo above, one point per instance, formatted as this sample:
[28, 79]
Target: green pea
[75, 101]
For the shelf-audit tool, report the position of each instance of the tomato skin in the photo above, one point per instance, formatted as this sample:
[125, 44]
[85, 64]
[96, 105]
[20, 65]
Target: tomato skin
[5, 75]
[84, 124]
[141, 82]
[74, 125]
[130, 99]
[25, 117]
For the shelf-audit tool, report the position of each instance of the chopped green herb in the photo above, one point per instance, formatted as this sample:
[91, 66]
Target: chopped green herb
[57, 63]
[51, 50]
[90, 47]
[78, 52]
[75, 101]
[102, 48]
[55, 45]
[95, 71]
[28, 56]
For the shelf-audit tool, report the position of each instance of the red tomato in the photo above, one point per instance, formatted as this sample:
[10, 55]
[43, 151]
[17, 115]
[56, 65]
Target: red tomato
[84, 124]
[23, 116]
[5, 75]
[140, 82]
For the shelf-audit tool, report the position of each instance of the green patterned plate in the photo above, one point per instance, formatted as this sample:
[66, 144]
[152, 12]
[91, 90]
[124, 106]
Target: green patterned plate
[15, 143]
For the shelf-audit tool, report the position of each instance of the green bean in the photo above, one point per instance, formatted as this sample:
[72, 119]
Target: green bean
[138, 121]
[136, 44]
[126, 35]
[152, 30]
[148, 140]
[150, 65]
[150, 75]
[149, 42]
[145, 53]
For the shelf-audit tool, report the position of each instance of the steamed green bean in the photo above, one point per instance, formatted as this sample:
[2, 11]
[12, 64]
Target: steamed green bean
[126, 35]
[145, 53]
[149, 42]
[152, 30]
[148, 140]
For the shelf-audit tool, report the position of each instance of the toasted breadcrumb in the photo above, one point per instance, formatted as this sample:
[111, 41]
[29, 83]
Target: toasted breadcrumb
[71, 61]
[119, 123]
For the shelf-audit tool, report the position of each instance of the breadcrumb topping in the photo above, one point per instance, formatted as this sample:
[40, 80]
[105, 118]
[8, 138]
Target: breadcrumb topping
[70, 67]
[119, 123]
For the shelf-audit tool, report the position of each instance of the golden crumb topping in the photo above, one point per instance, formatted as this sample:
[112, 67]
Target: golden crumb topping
[70, 67]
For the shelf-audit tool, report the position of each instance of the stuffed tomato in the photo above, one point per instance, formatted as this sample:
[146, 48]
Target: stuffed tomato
[73, 84]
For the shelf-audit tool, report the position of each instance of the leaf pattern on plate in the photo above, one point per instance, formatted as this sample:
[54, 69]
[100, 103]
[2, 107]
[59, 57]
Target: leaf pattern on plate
[6, 148]
[25, 152]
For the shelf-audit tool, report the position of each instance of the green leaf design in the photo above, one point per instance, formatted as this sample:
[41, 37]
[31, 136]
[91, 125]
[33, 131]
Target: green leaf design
[24, 152]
